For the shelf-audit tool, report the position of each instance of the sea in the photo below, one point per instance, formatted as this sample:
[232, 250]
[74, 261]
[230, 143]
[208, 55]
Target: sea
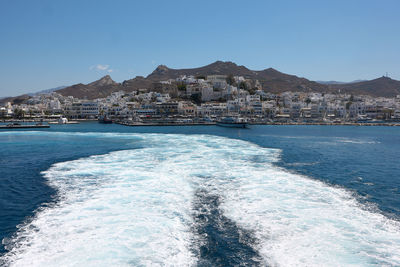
[91, 194]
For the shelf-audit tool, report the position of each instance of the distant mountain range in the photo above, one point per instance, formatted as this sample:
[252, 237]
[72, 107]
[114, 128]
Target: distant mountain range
[24, 97]
[270, 79]
[47, 91]
[336, 82]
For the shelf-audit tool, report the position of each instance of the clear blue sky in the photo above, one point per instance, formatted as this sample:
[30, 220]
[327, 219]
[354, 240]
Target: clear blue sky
[45, 44]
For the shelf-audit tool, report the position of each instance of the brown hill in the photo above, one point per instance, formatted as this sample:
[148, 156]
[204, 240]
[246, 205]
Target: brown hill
[278, 82]
[97, 89]
[139, 82]
[383, 86]
[104, 87]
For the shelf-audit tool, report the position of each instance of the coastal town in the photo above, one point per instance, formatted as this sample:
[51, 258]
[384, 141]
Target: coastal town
[206, 99]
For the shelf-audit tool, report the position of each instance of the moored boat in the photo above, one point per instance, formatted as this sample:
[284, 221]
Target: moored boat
[233, 122]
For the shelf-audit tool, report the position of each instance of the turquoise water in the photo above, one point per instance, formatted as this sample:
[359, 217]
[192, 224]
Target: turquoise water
[93, 194]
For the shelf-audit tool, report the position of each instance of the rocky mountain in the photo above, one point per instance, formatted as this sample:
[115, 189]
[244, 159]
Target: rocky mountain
[383, 86]
[104, 81]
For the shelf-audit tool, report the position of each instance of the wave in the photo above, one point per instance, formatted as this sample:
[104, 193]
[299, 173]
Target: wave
[326, 140]
[146, 207]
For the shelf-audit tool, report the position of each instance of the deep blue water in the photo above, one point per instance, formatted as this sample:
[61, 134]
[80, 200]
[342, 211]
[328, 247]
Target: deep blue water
[363, 160]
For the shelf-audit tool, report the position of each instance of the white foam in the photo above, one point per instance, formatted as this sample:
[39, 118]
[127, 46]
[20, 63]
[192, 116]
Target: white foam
[361, 141]
[124, 208]
[134, 208]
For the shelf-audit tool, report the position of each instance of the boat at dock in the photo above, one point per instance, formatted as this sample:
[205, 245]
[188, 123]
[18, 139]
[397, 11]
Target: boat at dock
[233, 122]
[105, 120]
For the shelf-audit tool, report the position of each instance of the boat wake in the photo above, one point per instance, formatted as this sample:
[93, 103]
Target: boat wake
[187, 200]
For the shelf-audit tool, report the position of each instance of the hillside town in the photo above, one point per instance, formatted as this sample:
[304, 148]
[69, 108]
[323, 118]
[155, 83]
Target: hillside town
[190, 99]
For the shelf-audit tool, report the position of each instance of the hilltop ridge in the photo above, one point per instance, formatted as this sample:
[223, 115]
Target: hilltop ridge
[383, 86]
[270, 79]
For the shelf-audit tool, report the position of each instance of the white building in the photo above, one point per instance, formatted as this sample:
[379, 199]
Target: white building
[82, 110]
[207, 93]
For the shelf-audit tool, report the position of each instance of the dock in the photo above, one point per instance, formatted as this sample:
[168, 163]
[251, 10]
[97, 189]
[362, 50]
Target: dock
[23, 126]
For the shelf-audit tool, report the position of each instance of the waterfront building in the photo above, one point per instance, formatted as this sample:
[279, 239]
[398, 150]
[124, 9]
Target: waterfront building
[167, 108]
[82, 110]
[187, 108]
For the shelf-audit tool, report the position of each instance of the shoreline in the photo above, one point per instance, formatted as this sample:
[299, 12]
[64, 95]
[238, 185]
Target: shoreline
[133, 124]
[328, 124]
[23, 126]
[257, 123]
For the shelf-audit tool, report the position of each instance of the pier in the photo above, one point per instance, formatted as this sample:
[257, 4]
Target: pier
[23, 126]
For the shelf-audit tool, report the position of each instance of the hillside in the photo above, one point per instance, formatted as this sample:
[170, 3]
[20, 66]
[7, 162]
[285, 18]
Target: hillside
[138, 82]
[270, 79]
